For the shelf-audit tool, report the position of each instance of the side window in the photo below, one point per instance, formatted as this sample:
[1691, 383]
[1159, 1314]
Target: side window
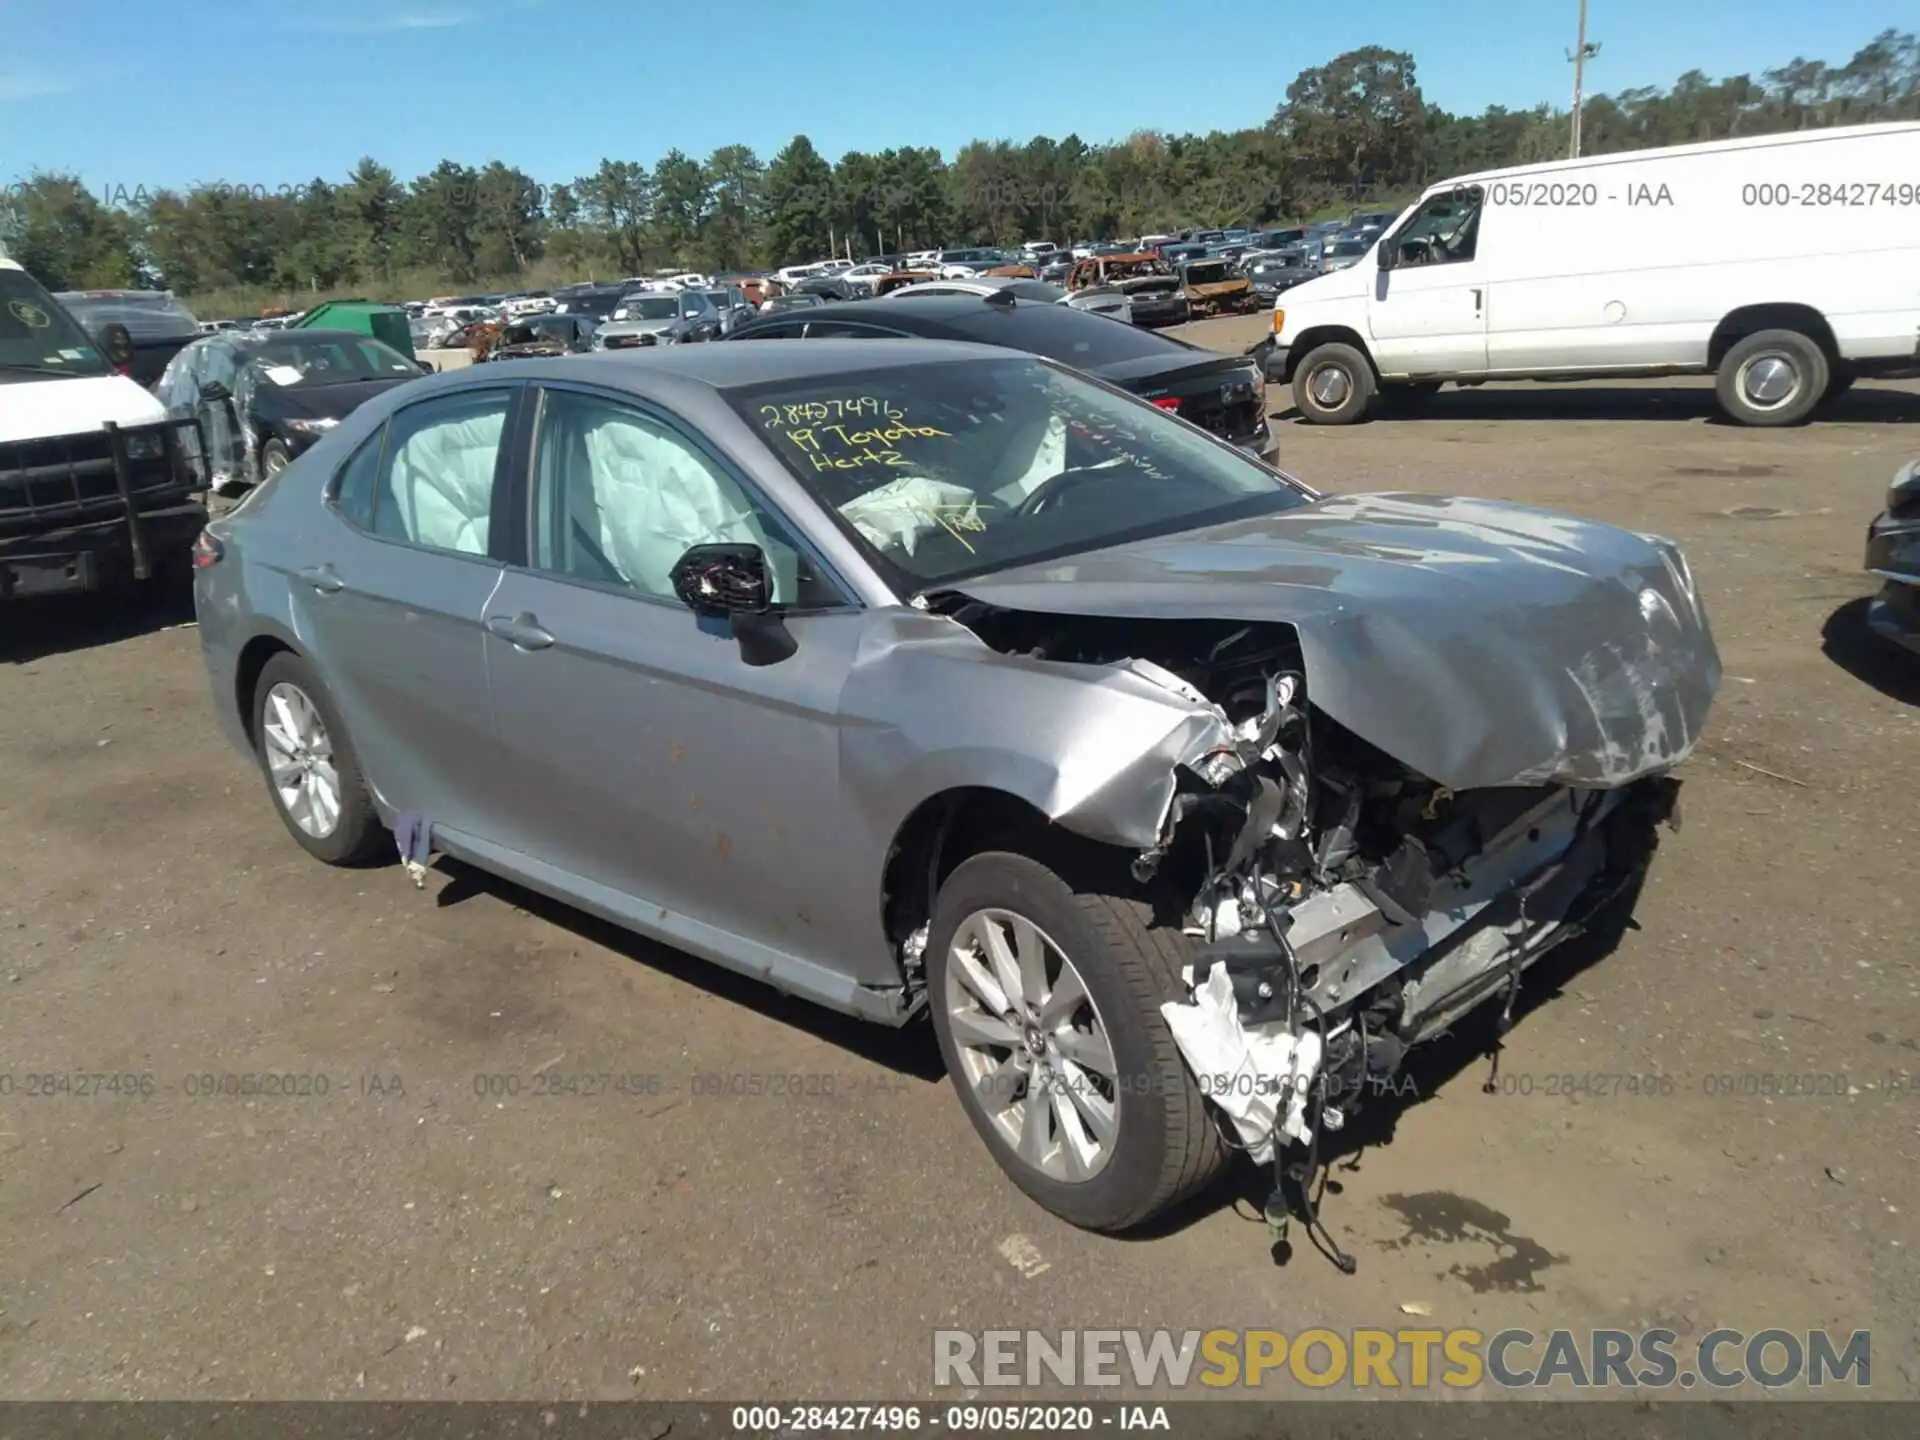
[434, 482]
[789, 331]
[1444, 231]
[618, 498]
[353, 486]
[823, 329]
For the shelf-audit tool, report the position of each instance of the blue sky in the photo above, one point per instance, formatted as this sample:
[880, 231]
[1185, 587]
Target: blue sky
[133, 93]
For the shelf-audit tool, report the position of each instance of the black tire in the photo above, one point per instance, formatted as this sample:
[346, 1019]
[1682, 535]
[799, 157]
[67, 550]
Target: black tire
[1165, 1145]
[1769, 359]
[1343, 375]
[358, 836]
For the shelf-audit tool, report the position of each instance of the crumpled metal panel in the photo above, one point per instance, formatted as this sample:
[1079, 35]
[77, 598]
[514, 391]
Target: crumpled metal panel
[1478, 642]
[929, 707]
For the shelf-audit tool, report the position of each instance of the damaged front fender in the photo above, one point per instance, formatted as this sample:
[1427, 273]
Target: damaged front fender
[1097, 748]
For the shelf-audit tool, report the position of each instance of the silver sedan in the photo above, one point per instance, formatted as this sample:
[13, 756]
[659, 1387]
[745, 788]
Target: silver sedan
[928, 679]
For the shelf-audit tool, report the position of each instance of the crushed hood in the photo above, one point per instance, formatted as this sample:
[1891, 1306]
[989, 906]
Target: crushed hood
[1478, 642]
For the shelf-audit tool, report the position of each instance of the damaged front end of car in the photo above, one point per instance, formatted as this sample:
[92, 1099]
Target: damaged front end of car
[1343, 905]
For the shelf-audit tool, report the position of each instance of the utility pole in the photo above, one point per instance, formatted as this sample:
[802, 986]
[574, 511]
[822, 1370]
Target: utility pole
[1582, 52]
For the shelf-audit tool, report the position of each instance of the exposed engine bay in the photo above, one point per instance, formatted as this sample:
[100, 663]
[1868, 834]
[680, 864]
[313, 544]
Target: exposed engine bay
[1345, 906]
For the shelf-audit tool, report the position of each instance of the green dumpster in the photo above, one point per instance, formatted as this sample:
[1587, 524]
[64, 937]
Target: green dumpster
[385, 323]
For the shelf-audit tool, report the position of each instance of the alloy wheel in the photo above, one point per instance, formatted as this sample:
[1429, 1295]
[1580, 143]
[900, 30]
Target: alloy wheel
[299, 755]
[1032, 1045]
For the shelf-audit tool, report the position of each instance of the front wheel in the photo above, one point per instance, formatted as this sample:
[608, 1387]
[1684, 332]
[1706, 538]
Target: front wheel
[1333, 385]
[273, 459]
[1047, 1003]
[1772, 378]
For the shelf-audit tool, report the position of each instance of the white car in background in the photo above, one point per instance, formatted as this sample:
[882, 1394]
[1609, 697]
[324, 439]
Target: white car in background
[862, 277]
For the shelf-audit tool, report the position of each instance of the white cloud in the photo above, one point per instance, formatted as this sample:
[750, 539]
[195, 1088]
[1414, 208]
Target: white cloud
[392, 20]
[19, 85]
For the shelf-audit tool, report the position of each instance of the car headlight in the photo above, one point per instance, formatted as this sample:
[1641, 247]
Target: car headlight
[145, 445]
[312, 427]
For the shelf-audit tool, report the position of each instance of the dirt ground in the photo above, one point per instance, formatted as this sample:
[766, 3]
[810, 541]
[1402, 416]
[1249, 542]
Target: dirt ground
[430, 1227]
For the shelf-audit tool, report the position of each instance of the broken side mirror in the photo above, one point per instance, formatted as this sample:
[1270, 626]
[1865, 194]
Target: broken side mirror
[735, 582]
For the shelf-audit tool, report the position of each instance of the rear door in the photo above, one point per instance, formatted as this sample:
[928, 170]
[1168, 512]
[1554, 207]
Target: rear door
[390, 600]
[1428, 314]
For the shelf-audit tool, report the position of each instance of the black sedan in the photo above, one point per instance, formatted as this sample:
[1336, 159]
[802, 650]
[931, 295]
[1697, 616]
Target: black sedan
[1223, 394]
[1893, 555]
[261, 399]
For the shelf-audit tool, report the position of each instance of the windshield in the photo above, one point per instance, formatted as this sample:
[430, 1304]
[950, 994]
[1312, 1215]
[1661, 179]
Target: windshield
[958, 468]
[313, 361]
[147, 314]
[650, 307]
[1213, 272]
[1348, 249]
[599, 306]
[36, 334]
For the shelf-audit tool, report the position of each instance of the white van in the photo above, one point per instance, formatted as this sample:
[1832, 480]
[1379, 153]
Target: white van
[95, 482]
[1786, 265]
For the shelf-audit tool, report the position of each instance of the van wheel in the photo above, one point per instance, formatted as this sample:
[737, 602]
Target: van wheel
[1046, 1002]
[1333, 385]
[1775, 377]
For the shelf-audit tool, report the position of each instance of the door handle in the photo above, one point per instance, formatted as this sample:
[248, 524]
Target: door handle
[322, 578]
[523, 631]
[1478, 297]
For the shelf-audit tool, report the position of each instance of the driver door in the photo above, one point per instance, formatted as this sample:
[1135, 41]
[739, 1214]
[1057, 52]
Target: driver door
[1428, 314]
[646, 757]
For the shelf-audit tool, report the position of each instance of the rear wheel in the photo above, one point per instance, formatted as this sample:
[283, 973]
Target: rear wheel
[273, 459]
[310, 767]
[1047, 1007]
[1772, 378]
[1333, 385]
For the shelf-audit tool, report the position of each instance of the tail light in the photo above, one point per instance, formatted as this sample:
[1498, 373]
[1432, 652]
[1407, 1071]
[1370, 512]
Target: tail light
[1167, 402]
[207, 550]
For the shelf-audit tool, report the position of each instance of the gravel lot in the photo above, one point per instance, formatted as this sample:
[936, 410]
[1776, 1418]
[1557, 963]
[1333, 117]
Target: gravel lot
[407, 1234]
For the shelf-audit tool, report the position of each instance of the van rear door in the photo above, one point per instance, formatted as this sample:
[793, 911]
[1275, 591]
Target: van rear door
[1427, 314]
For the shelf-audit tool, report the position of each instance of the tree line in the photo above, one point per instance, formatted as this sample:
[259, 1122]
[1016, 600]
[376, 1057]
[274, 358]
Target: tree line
[1353, 130]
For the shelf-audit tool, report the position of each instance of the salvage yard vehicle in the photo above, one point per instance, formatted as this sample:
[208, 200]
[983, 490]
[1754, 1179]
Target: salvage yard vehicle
[1097, 302]
[1893, 557]
[257, 401]
[1225, 395]
[96, 484]
[159, 324]
[659, 318]
[1780, 264]
[543, 336]
[1153, 292]
[1064, 678]
[1214, 287]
